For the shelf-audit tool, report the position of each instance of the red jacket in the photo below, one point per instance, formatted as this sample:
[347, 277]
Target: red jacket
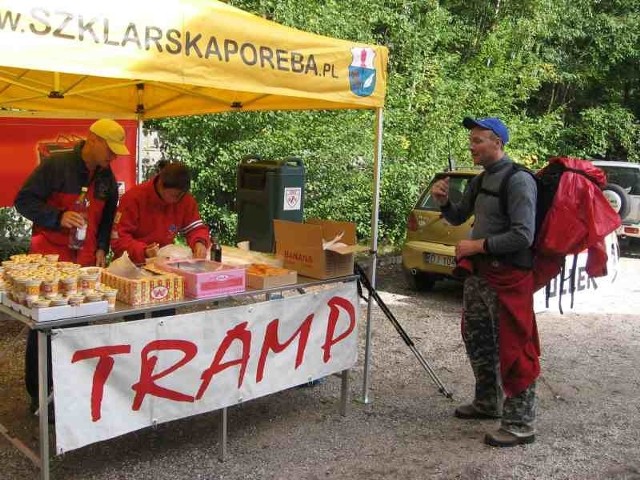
[144, 218]
[518, 340]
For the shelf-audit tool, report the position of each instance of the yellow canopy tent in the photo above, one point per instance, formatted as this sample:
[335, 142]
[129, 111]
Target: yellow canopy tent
[147, 59]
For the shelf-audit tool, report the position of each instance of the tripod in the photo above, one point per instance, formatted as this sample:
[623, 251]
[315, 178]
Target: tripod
[364, 280]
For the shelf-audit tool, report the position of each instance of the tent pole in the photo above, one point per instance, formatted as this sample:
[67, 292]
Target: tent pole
[377, 163]
[139, 172]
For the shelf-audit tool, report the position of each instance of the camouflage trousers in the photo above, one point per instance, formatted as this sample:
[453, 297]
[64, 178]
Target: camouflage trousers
[480, 335]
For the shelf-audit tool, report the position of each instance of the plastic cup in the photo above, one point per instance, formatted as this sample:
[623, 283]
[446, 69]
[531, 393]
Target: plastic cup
[94, 297]
[33, 287]
[76, 299]
[30, 299]
[41, 303]
[69, 285]
[110, 297]
[59, 301]
[52, 257]
[88, 281]
[50, 287]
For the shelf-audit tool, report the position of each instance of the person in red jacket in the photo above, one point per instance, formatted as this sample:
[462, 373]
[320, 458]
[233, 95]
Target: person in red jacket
[47, 198]
[152, 214]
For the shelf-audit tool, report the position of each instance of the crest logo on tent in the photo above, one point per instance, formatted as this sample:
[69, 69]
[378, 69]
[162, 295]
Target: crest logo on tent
[362, 73]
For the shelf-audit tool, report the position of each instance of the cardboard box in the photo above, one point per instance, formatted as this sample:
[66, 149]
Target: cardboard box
[23, 309]
[55, 313]
[205, 278]
[157, 288]
[67, 311]
[276, 277]
[314, 250]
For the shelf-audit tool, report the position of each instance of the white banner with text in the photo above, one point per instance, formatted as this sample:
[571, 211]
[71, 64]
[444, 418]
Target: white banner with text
[117, 378]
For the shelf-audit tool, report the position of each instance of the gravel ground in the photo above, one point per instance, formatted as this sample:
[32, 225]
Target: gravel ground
[589, 413]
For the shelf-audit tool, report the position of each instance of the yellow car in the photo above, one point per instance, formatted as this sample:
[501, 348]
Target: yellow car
[428, 251]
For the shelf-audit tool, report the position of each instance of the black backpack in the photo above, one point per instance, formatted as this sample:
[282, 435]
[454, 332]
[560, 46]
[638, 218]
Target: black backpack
[547, 184]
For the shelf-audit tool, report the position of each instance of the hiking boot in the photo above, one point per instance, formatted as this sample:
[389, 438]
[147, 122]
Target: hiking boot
[468, 412]
[502, 438]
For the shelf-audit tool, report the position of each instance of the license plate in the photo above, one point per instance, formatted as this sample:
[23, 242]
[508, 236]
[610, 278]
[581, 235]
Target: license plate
[442, 260]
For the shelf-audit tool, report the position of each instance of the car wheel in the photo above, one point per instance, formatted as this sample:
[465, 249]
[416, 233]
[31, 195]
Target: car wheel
[419, 281]
[618, 199]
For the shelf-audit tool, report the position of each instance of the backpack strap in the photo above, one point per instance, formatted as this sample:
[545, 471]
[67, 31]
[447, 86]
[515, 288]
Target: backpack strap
[476, 186]
[503, 192]
[574, 268]
[561, 287]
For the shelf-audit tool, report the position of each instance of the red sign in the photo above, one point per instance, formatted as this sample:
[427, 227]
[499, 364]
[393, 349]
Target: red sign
[24, 141]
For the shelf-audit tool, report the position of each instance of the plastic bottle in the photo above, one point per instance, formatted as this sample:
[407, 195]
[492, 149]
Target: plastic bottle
[77, 235]
[216, 250]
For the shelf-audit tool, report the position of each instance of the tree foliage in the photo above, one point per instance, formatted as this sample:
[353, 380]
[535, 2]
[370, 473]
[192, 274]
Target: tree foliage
[16, 233]
[563, 74]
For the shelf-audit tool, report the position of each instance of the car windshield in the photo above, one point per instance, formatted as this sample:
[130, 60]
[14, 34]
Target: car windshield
[627, 178]
[457, 184]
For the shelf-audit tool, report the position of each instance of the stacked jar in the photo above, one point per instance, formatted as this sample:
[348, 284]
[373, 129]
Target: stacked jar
[33, 278]
[40, 281]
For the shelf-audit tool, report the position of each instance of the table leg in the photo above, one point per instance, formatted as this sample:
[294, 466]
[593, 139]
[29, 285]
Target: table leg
[344, 392]
[366, 399]
[43, 386]
[223, 435]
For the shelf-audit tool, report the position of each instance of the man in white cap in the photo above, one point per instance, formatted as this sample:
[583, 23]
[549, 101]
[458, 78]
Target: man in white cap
[47, 199]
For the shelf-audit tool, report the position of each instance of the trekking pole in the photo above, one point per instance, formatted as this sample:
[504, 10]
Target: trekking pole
[364, 280]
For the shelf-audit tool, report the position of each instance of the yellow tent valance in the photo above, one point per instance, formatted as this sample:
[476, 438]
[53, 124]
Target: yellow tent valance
[149, 59]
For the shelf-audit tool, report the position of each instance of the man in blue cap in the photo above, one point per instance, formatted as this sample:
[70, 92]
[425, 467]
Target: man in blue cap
[498, 323]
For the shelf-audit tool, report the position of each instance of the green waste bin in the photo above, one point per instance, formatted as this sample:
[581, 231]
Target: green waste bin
[267, 190]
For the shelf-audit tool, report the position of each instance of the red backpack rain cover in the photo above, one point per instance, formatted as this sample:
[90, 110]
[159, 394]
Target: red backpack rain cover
[578, 219]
